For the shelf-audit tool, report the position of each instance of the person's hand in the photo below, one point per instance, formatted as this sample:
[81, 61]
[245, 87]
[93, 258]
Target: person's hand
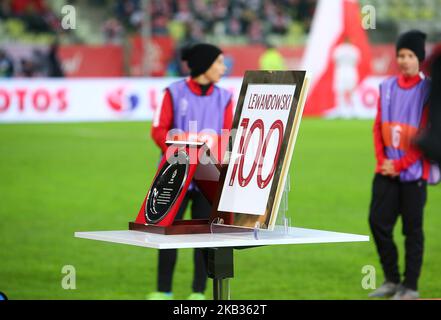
[388, 169]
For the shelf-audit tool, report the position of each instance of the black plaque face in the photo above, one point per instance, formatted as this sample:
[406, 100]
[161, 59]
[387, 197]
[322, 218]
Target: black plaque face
[167, 187]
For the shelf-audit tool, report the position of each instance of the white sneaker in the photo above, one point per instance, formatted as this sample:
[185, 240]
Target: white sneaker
[387, 289]
[404, 293]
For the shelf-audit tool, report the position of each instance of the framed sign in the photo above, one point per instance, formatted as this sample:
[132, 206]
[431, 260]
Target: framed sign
[266, 123]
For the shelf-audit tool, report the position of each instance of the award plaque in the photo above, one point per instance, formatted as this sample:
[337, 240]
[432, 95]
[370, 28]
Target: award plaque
[177, 170]
[167, 187]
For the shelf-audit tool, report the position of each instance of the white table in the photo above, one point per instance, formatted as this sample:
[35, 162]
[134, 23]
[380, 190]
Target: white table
[220, 245]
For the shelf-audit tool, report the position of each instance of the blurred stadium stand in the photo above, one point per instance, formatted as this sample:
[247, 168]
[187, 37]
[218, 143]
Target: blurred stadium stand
[397, 16]
[104, 24]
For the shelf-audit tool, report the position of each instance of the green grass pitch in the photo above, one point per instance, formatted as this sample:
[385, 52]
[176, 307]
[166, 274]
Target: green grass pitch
[56, 179]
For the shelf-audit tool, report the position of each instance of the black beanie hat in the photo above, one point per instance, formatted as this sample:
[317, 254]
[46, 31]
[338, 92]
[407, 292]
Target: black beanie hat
[413, 40]
[200, 57]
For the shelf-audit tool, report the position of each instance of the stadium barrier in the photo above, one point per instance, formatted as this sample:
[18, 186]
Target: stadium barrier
[116, 99]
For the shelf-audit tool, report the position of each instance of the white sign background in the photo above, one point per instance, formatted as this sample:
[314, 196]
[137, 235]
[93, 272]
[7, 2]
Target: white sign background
[251, 199]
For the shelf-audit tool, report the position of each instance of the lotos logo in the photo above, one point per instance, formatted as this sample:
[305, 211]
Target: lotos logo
[42, 100]
[121, 101]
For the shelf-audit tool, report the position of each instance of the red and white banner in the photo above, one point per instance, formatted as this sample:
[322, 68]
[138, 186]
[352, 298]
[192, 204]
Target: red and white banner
[338, 56]
[94, 99]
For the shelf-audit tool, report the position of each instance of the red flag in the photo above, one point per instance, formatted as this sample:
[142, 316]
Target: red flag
[337, 55]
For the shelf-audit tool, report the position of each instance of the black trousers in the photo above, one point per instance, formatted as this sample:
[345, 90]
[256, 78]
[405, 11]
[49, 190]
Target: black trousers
[391, 198]
[200, 209]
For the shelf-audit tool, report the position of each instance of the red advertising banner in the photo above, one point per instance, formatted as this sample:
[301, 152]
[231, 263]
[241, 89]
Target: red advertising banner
[107, 61]
[161, 51]
[92, 61]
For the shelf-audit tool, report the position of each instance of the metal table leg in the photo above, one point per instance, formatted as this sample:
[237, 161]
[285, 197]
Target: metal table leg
[220, 268]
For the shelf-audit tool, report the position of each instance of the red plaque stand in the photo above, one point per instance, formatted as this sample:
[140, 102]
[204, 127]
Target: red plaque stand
[204, 171]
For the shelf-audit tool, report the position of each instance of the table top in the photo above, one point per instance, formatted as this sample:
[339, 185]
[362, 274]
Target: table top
[215, 240]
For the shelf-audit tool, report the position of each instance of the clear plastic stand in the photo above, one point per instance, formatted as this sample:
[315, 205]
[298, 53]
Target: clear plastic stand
[283, 221]
[281, 227]
[215, 224]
